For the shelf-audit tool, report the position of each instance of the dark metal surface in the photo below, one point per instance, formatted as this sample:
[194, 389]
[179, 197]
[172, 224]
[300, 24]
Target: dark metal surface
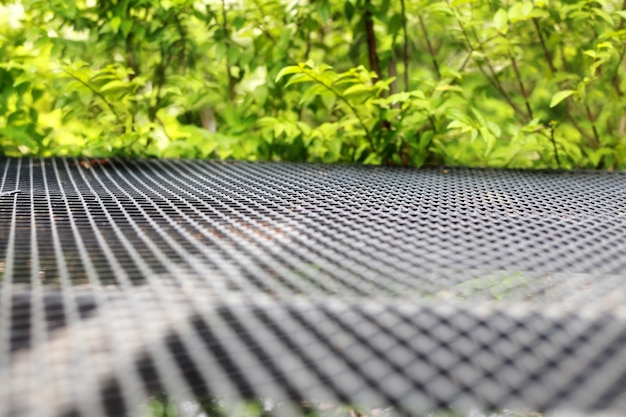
[398, 289]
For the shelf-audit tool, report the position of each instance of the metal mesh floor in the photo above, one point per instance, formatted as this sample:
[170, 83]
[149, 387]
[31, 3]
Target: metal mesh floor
[298, 284]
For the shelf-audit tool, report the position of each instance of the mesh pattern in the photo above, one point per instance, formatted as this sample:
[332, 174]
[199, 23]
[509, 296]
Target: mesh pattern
[298, 283]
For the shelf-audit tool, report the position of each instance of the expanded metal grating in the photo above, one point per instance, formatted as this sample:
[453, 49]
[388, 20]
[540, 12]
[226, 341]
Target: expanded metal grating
[304, 286]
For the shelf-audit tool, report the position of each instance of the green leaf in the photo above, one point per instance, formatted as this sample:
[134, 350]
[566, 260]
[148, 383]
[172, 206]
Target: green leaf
[357, 90]
[126, 26]
[603, 15]
[294, 69]
[457, 124]
[527, 8]
[115, 24]
[113, 86]
[595, 156]
[446, 71]
[37, 93]
[348, 9]
[239, 21]
[323, 9]
[439, 7]
[501, 21]
[312, 91]
[620, 13]
[329, 101]
[24, 77]
[221, 50]
[515, 12]
[494, 128]
[395, 24]
[521, 11]
[298, 78]
[560, 96]
[448, 87]
[581, 88]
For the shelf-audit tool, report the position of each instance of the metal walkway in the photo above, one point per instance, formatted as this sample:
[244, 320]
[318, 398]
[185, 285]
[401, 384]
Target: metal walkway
[304, 285]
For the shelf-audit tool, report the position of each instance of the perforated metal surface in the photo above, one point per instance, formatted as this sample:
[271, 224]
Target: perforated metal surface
[296, 283]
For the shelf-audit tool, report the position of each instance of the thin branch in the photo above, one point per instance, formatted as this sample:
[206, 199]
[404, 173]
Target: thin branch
[96, 92]
[405, 46]
[464, 63]
[370, 36]
[131, 56]
[495, 81]
[231, 81]
[350, 106]
[615, 81]
[578, 127]
[183, 35]
[307, 51]
[521, 85]
[593, 125]
[544, 48]
[393, 73]
[556, 152]
[260, 26]
[166, 58]
[431, 50]
[568, 106]
[492, 77]
[431, 120]
[615, 77]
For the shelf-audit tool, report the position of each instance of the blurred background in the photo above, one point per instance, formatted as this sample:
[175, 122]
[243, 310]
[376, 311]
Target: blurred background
[532, 84]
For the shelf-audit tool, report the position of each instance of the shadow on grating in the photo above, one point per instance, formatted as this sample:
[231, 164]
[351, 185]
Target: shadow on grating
[295, 284]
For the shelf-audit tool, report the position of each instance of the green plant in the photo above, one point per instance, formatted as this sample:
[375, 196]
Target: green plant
[461, 82]
[526, 84]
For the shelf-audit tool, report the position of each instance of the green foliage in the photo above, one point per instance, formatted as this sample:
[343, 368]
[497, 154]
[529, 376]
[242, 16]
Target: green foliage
[509, 84]
[408, 82]
[162, 406]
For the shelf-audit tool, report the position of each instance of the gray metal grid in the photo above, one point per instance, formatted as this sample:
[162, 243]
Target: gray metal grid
[301, 283]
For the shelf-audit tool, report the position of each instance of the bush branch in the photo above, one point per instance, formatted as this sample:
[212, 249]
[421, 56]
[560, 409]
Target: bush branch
[370, 37]
[96, 93]
[492, 76]
[226, 30]
[568, 106]
[350, 106]
[518, 77]
[405, 47]
[431, 50]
